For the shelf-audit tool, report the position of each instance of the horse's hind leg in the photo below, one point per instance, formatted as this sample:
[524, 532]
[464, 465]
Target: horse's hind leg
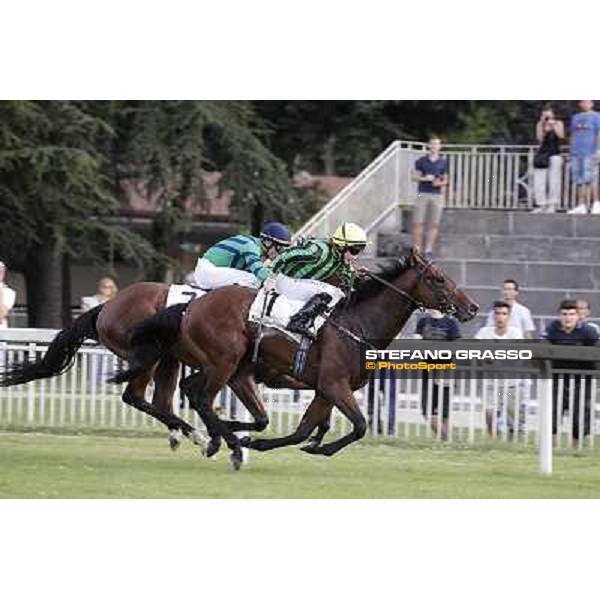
[190, 387]
[134, 396]
[165, 382]
[201, 389]
[244, 386]
[317, 413]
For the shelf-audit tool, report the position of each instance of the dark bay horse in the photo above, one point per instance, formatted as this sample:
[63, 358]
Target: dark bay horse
[215, 335]
[110, 324]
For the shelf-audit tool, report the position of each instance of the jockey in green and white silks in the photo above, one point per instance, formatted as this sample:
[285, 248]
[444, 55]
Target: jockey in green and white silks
[240, 260]
[300, 273]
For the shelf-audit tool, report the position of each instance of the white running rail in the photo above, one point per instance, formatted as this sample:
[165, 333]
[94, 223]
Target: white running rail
[81, 399]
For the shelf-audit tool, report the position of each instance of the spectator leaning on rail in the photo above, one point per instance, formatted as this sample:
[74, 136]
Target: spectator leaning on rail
[431, 172]
[547, 161]
[520, 316]
[506, 389]
[436, 326]
[568, 331]
[583, 312]
[585, 147]
[7, 298]
[107, 290]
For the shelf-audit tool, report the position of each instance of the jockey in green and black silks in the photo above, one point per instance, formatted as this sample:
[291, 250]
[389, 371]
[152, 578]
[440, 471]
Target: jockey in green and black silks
[301, 273]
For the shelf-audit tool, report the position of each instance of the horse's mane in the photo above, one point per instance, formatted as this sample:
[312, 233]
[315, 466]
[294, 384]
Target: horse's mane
[368, 288]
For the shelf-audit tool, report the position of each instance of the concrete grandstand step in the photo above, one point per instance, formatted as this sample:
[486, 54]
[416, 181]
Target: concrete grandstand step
[515, 248]
[491, 273]
[470, 222]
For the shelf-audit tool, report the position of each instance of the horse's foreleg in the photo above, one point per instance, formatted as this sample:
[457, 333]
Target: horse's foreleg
[317, 412]
[322, 429]
[341, 395]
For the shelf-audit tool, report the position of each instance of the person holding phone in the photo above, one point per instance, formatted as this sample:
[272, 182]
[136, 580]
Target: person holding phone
[547, 174]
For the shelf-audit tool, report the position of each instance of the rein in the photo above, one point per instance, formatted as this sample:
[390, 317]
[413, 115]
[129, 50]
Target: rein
[359, 340]
[393, 287]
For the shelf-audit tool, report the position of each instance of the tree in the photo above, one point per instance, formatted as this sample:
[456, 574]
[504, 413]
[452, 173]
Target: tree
[53, 195]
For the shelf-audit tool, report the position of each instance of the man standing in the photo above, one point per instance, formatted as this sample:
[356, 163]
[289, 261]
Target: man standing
[431, 172]
[436, 326]
[7, 298]
[566, 389]
[585, 144]
[520, 316]
[507, 388]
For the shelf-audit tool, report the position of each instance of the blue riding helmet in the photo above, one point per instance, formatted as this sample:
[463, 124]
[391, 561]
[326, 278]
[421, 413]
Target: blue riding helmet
[276, 232]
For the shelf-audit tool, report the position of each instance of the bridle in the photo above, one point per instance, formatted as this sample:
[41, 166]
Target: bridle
[446, 301]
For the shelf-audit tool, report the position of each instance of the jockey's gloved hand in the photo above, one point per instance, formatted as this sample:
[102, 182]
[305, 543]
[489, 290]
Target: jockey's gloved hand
[269, 284]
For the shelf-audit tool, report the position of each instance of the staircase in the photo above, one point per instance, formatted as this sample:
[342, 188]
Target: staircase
[553, 257]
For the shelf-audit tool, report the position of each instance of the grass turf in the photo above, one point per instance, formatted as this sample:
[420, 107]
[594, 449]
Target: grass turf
[34, 465]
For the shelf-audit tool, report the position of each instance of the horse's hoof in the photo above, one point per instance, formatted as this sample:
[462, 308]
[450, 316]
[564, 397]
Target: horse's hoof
[175, 439]
[311, 449]
[200, 440]
[213, 447]
[246, 441]
[236, 459]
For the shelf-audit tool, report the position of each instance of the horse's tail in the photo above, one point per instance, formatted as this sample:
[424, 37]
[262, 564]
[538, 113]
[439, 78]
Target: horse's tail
[151, 340]
[60, 354]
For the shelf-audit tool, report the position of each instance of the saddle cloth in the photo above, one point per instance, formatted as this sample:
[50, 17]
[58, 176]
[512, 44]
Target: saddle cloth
[180, 294]
[278, 313]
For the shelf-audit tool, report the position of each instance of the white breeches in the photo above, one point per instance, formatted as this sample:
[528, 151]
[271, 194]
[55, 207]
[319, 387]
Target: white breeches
[210, 277]
[305, 289]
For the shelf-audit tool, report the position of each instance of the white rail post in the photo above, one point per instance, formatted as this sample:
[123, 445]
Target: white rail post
[545, 418]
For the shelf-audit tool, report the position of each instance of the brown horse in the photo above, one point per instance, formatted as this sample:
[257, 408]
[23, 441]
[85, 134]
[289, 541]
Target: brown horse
[215, 335]
[110, 324]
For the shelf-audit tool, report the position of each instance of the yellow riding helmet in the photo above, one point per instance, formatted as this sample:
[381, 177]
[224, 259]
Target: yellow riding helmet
[349, 234]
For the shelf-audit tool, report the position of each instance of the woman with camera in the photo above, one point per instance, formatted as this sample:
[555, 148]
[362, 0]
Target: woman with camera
[547, 162]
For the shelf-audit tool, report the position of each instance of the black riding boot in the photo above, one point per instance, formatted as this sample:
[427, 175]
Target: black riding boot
[302, 321]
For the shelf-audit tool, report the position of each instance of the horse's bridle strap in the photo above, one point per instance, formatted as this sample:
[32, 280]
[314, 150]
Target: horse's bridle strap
[391, 286]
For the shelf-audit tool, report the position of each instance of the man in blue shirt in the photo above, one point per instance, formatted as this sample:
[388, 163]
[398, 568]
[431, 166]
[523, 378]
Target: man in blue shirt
[568, 331]
[436, 326]
[431, 173]
[585, 144]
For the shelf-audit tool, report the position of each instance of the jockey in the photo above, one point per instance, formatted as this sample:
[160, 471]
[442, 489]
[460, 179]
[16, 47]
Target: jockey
[239, 260]
[301, 273]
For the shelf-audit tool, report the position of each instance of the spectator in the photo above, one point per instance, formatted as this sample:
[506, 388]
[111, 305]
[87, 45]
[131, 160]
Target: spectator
[583, 312]
[509, 389]
[585, 143]
[107, 290]
[7, 298]
[547, 162]
[436, 326]
[520, 316]
[568, 331]
[431, 172]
